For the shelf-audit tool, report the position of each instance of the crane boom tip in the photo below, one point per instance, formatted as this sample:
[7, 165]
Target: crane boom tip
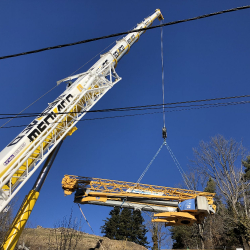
[160, 17]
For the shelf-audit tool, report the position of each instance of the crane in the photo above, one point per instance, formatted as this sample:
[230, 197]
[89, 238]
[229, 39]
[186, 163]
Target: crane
[173, 206]
[27, 151]
[23, 155]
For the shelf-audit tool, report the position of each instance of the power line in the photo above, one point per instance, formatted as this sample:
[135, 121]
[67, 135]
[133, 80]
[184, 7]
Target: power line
[126, 32]
[21, 112]
[152, 113]
[133, 108]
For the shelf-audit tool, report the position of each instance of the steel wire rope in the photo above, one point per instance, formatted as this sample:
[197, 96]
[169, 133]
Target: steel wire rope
[28, 106]
[127, 32]
[57, 85]
[136, 108]
[162, 78]
[178, 165]
[93, 57]
[148, 166]
[88, 223]
[90, 60]
[143, 173]
[152, 113]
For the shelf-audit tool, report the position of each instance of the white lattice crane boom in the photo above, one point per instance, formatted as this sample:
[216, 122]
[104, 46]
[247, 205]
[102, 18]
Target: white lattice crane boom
[22, 156]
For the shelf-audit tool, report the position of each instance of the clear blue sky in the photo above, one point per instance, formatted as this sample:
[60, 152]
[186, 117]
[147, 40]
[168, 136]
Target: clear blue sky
[206, 58]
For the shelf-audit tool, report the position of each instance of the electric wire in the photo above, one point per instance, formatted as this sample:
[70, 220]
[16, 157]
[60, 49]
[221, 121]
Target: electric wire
[152, 113]
[139, 109]
[136, 108]
[127, 32]
[28, 106]
[93, 57]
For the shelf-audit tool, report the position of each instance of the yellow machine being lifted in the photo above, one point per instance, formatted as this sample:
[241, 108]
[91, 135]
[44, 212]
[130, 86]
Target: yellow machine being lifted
[173, 206]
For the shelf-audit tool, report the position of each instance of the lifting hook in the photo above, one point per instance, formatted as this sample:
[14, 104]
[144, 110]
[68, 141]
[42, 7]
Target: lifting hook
[164, 133]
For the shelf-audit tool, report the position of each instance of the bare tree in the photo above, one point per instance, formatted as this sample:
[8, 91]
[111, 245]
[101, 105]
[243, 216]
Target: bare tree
[5, 222]
[221, 159]
[65, 235]
[159, 233]
[6, 219]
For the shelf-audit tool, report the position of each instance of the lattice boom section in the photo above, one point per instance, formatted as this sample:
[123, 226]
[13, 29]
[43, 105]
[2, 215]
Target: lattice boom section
[122, 187]
[64, 122]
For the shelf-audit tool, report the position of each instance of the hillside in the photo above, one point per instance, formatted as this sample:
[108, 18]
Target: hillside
[56, 238]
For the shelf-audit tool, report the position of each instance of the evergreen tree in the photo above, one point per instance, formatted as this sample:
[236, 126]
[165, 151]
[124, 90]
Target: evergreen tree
[138, 234]
[211, 186]
[246, 164]
[110, 228]
[185, 237]
[125, 225]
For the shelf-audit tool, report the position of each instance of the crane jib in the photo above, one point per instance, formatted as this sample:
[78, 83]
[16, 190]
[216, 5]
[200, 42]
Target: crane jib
[40, 127]
[23, 155]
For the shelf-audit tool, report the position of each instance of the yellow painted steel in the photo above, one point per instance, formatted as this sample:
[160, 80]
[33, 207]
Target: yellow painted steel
[20, 220]
[100, 199]
[103, 190]
[56, 132]
[105, 187]
[175, 218]
[160, 17]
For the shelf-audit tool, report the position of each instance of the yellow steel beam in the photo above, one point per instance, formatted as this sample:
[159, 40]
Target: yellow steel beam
[20, 220]
[105, 187]
[175, 218]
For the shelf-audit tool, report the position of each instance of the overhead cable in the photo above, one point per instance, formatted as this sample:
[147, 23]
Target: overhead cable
[16, 115]
[152, 113]
[136, 108]
[126, 32]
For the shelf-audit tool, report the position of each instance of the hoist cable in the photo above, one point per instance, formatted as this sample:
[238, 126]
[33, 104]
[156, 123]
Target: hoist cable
[127, 32]
[162, 77]
[178, 165]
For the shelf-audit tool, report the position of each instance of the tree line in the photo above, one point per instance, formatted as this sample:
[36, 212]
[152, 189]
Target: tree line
[225, 166]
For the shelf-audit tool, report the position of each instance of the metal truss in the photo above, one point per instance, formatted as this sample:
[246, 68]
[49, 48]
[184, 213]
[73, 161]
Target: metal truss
[19, 173]
[113, 188]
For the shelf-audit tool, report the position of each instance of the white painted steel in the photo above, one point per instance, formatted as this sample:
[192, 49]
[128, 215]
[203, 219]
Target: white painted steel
[53, 124]
[141, 207]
